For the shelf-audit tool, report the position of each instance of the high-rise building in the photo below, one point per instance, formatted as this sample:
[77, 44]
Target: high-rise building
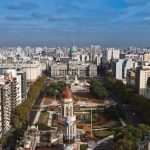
[6, 104]
[143, 81]
[11, 74]
[121, 67]
[110, 53]
[1, 97]
[22, 73]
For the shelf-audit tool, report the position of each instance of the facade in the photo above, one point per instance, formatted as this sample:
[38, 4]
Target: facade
[22, 73]
[146, 57]
[33, 71]
[82, 70]
[128, 64]
[11, 74]
[1, 98]
[135, 57]
[122, 66]
[143, 81]
[6, 104]
[119, 69]
[111, 53]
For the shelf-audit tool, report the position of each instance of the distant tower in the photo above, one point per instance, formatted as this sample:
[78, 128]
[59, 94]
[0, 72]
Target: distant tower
[112, 56]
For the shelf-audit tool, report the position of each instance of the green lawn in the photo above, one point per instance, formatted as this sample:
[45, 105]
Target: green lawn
[43, 118]
[102, 133]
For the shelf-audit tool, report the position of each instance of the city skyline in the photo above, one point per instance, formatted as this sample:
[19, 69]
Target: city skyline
[55, 23]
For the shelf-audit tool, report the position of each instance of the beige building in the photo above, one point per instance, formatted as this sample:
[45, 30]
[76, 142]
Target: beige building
[143, 81]
[73, 68]
[146, 57]
[33, 71]
[6, 104]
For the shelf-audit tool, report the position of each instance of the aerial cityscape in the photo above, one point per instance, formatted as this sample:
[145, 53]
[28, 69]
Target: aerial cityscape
[74, 75]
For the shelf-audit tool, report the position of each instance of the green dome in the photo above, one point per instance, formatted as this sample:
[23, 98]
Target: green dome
[73, 49]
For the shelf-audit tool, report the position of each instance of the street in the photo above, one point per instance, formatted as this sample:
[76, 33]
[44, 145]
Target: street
[130, 114]
[107, 145]
[38, 101]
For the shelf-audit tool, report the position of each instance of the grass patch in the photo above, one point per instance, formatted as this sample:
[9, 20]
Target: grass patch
[48, 101]
[102, 133]
[83, 146]
[43, 118]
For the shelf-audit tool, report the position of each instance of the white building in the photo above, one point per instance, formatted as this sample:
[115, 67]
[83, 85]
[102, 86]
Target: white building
[33, 71]
[122, 66]
[111, 53]
[119, 69]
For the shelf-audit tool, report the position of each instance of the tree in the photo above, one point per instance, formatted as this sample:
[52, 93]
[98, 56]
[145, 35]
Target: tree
[124, 144]
[126, 94]
[98, 90]
[144, 129]
[42, 126]
[129, 133]
[113, 112]
[21, 113]
[55, 89]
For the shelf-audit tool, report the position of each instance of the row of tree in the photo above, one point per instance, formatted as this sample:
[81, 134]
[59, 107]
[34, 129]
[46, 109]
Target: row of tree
[98, 90]
[126, 94]
[128, 138]
[21, 112]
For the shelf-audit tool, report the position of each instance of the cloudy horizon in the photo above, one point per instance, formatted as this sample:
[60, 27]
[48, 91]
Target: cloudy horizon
[59, 22]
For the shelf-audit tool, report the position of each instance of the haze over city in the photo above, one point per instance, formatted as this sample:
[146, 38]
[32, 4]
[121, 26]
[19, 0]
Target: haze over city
[74, 75]
[59, 22]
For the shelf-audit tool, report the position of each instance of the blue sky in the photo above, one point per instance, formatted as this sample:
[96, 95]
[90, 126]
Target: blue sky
[59, 22]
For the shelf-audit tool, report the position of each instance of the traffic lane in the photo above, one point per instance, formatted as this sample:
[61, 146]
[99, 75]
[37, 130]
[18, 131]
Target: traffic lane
[107, 145]
[131, 115]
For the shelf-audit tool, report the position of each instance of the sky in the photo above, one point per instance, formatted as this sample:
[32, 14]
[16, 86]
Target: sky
[59, 22]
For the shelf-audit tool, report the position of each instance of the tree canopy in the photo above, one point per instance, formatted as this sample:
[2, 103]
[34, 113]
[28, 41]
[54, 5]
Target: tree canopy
[21, 113]
[98, 90]
[55, 89]
[124, 144]
[130, 133]
[126, 94]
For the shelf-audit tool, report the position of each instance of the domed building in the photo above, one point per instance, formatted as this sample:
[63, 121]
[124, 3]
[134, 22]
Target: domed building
[73, 52]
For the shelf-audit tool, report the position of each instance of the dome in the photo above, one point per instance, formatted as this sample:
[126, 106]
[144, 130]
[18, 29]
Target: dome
[67, 94]
[73, 49]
